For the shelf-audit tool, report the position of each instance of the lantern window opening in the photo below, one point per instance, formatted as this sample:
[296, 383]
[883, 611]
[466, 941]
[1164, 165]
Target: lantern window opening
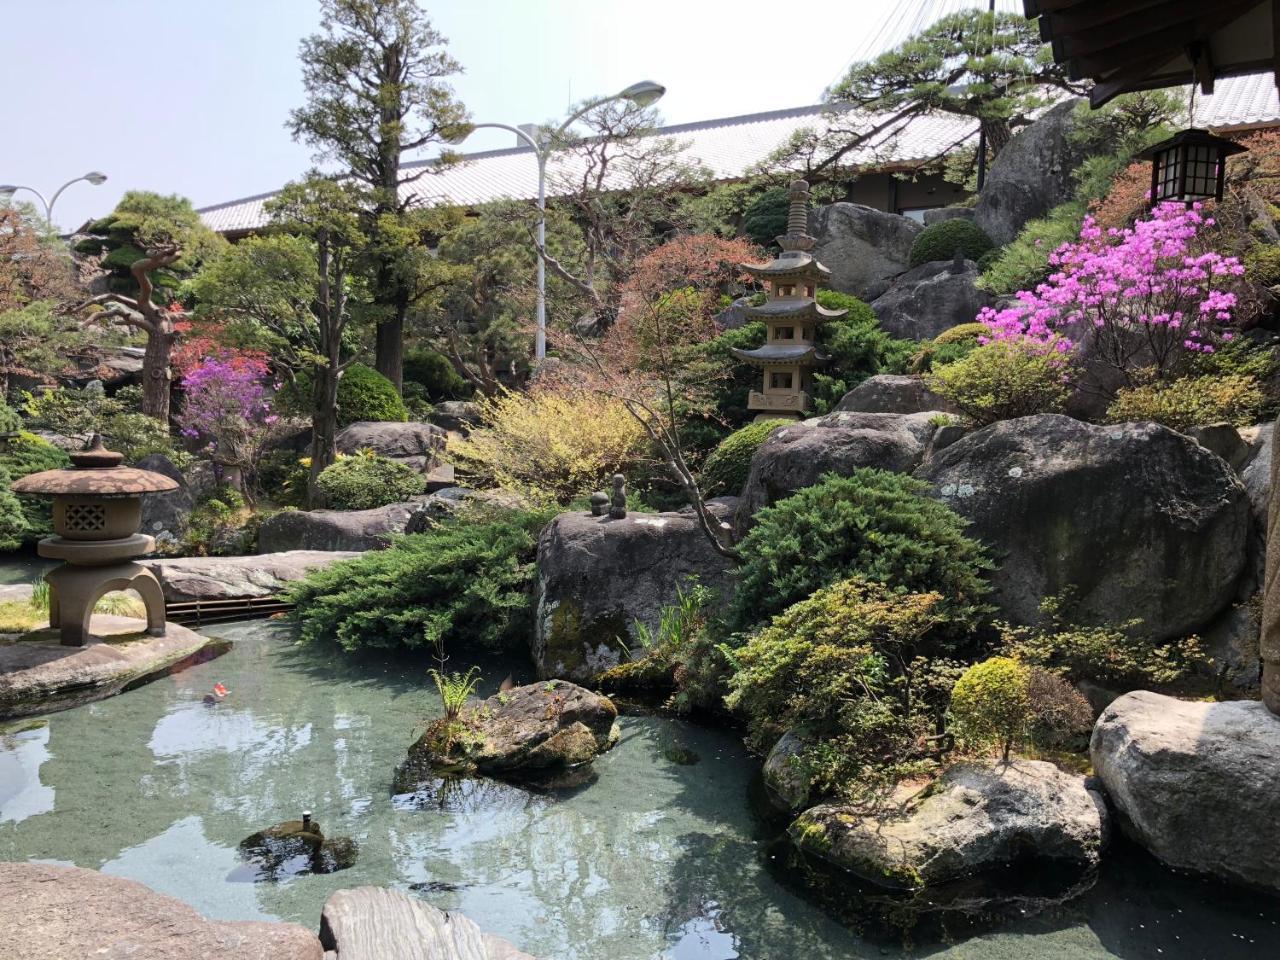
[784, 333]
[780, 380]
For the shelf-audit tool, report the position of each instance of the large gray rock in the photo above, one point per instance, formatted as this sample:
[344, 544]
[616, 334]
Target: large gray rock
[864, 248]
[56, 913]
[187, 579]
[1195, 782]
[1131, 520]
[598, 576]
[1257, 473]
[333, 529]
[978, 817]
[931, 298]
[1031, 176]
[374, 923]
[892, 393]
[457, 415]
[786, 785]
[417, 444]
[165, 515]
[526, 731]
[794, 457]
[942, 214]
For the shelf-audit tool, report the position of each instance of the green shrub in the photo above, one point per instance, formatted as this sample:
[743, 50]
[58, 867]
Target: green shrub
[872, 523]
[137, 435]
[435, 373]
[13, 522]
[365, 480]
[220, 525]
[29, 454]
[725, 471]
[1005, 379]
[1262, 264]
[858, 347]
[766, 217]
[469, 581]
[991, 703]
[363, 394]
[947, 347]
[10, 422]
[1024, 262]
[940, 241]
[1191, 402]
[846, 666]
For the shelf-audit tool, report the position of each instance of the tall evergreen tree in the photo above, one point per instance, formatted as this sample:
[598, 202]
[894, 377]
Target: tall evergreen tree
[376, 91]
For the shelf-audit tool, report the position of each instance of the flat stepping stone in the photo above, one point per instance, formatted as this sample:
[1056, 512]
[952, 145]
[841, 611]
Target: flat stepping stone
[55, 913]
[40, 675]
[374, 923]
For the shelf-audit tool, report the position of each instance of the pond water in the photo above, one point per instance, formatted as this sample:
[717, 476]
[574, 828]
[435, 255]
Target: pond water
[655, 859]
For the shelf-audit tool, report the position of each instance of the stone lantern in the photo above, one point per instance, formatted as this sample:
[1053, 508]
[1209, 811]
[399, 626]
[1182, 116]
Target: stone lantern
[97, 509]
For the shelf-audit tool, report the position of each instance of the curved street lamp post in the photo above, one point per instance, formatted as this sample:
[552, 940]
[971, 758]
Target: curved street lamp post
[9, 189]
[643, 94]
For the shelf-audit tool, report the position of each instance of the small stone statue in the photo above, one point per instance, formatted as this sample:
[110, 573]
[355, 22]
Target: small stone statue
[599, 503]
[618, 502]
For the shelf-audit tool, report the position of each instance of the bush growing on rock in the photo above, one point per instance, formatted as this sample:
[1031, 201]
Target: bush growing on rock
[468, 582]
[1191, 401]
[940, 241]
[991, 703]
[871, 523]
[848, 666]
[552, 445]
[1006, 379]
[725, 471]
[366, 480]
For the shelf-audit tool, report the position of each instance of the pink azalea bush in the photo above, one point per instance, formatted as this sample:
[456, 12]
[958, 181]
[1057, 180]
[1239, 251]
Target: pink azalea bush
[1148, 296]
[227, 408]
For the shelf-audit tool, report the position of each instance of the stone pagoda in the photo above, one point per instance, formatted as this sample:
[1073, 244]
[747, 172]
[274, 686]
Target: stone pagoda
[791, 317]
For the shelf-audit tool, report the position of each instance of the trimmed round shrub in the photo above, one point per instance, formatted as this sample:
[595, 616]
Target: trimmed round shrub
[366, 480]
[941, 240]
[991, 703]
[871, 523]
[1006, 379]
[435, 373]
[363, 394]
[726, 469]
[766, 217]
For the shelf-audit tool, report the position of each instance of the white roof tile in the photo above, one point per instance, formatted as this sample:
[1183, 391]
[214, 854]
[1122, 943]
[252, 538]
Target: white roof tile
[733, 147]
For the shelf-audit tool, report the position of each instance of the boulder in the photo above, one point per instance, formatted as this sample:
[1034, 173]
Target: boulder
[1257, 474]
[188, 579]
[796, 456]
[978, 817]
[1195, 782]
[1269, 640]
[1131, 520]
[1232, 641]
[1032, 174]
[598, 576]
[785, 786]
[333, 529]
[374, 923]
[931, 298]
[527, 731]
[38, 675]
[165, 515]
[458, 415]
[1224, 440]
[60, 912]
[733, 316]
[892, 393]
[416, 444]
[941, 214]
[864, 248]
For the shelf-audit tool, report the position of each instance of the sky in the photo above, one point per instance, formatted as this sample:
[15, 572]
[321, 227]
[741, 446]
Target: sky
[192, 96]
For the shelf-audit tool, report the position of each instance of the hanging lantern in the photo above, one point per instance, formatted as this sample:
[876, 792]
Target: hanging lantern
[1190, 166]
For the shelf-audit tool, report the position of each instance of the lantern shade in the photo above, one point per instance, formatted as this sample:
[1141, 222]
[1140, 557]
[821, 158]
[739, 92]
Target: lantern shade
[1189, 166]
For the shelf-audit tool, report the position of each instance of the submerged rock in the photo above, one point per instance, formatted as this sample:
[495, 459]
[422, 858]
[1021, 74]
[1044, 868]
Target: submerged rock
[978, 817]
[293, 848]
[1195, 783]
[531, 731]
[1121, 518]
[597, 576]
[786, 786]
[56, 913]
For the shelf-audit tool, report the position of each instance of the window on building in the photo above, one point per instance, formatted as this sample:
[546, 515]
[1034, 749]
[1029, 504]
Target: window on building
[780, 381]
[784, 333]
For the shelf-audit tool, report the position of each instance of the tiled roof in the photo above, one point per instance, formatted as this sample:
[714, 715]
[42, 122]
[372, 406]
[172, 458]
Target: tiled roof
[733, 147]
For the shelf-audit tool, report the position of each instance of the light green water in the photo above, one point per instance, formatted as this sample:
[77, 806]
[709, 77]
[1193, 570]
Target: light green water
[652, 860]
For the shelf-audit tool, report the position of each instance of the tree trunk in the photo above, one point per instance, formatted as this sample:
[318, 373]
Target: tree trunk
[324, 430]
[156, 375]
[390, 349]
[997, 135]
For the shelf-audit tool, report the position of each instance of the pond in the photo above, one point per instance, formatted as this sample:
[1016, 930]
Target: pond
[660, 857]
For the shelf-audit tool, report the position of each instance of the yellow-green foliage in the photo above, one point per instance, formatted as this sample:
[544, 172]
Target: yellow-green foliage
[961, 332]
[1191, 401]
[551, 445]
[1262, 264]
[991, 703]
[1005, 379]
[726, 469]
[366, 480]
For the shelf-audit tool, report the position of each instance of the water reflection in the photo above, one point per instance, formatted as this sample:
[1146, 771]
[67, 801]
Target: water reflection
[24, 747]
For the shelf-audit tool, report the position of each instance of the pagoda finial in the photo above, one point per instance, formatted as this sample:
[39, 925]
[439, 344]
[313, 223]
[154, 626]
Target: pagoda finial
[797, 235]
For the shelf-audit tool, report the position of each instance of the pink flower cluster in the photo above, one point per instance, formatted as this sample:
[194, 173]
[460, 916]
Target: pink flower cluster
[227, 406]
[1152, 280]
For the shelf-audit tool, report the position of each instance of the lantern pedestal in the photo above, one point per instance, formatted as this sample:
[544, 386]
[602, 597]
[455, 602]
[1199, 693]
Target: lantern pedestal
[73, 591]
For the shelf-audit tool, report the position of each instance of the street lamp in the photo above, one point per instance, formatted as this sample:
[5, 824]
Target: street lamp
[8, 190]
[642, 94]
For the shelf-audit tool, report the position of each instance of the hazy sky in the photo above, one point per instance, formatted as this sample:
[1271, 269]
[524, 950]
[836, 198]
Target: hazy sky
[191, 96]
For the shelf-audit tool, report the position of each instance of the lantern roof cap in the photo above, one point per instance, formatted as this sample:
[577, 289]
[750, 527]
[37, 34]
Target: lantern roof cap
[1193, 136]
[95, 470]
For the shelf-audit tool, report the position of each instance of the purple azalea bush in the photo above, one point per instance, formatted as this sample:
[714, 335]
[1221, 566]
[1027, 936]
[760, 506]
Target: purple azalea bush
[227, 408]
